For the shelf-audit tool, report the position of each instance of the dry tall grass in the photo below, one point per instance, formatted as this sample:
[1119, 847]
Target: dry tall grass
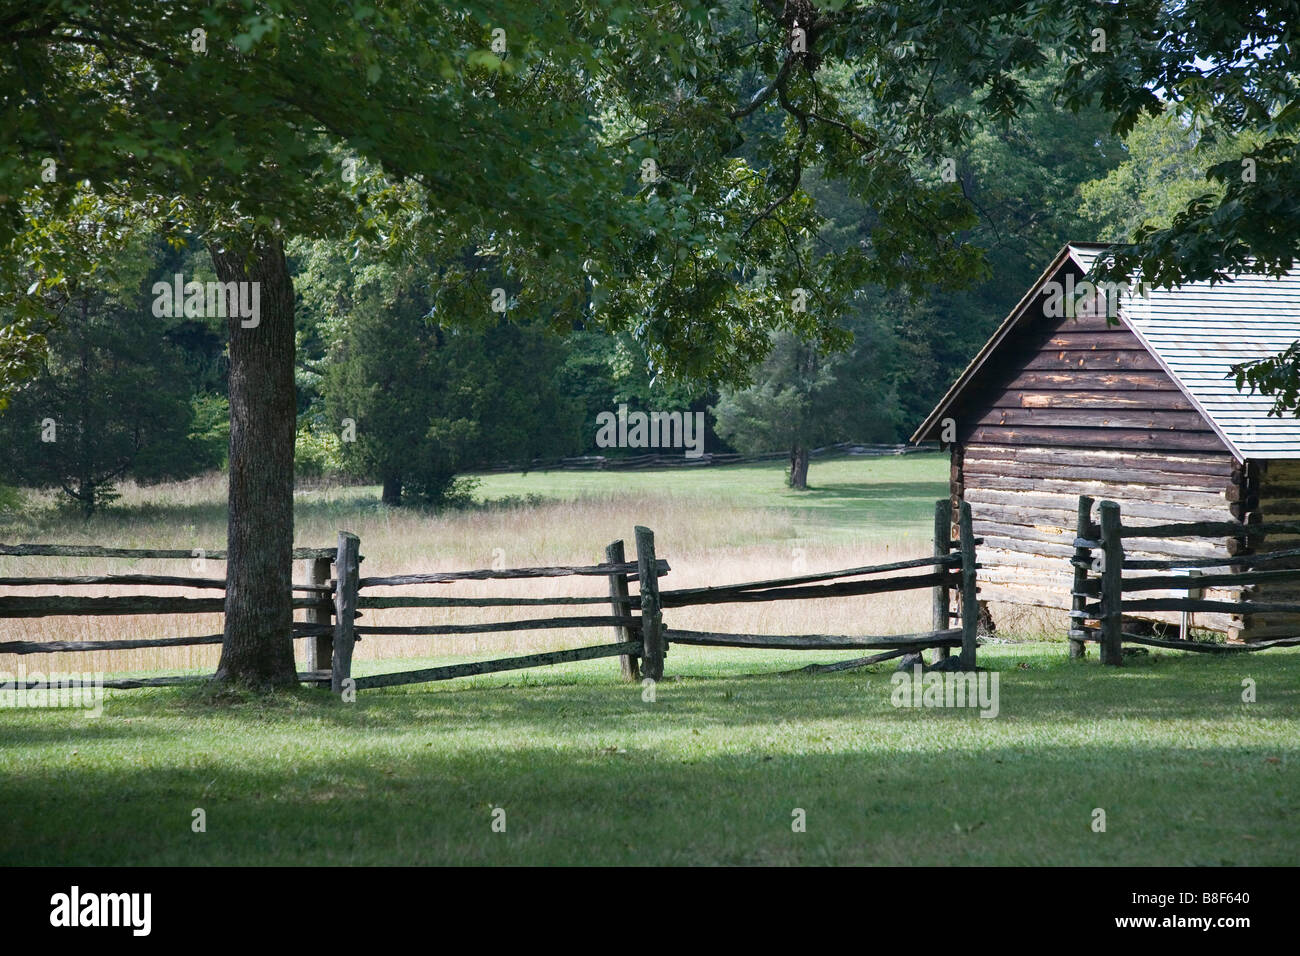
[705, 541]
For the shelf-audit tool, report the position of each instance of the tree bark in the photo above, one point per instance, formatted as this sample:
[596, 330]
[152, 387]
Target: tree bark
[799, 468]
[392, 491]
[257, 647]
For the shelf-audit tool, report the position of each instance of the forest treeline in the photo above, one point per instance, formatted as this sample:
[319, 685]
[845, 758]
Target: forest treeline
[406, 382]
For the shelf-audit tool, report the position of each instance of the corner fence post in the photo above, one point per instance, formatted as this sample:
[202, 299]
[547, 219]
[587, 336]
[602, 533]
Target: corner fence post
[969, 605]
[652, 636]
[1084, 531]
[939, 619]
[1112, 615]
[618, 599]
[320, 647]
[347, 572]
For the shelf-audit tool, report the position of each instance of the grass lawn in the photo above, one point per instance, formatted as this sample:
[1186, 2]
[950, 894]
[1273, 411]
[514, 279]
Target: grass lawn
[711, 772]
[588, 772]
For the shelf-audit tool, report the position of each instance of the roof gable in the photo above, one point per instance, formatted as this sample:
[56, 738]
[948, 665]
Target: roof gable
[1196, 332]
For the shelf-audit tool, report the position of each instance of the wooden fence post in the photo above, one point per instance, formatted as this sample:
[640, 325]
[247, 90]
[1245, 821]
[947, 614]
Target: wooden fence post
[320, 647]
[651, 618]
[939, 619]
[1112, 617]
[970, 613]
[1084, 531]
[620, 605]
[347, 571]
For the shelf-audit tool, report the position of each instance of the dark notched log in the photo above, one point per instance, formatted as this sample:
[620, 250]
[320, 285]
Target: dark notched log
[969, 591]
[940, 595]
[620, 605]
[850, 665]
[741, 594]
[1100, 438]
[1242, 561]
[1102, 464]
[52, 647]
[92, 551]
[535, 624]
[595, 570]
[1112, 620]
[950, 560]
[654, 643]
[1054, 417]
[950, 637]
[1223, 607]
[159, 580]
[320, 649]
[681, 593]
[1205, 647]
[1082, 562]
[374, 603]
[1174, 582]
[132, 683]
[503, 664]
[347, 567]
[132, 604]
[1213, 529]
[112, 683]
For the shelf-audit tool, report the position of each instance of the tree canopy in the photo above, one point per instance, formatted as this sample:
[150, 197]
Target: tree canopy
[641, 168]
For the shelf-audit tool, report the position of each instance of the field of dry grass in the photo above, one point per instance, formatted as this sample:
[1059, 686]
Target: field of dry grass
[718, 530]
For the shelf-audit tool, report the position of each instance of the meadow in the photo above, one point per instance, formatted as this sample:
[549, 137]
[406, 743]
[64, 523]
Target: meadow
[582, 769]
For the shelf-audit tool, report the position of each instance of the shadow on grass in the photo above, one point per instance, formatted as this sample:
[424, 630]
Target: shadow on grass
[591, 802]
[587, 772]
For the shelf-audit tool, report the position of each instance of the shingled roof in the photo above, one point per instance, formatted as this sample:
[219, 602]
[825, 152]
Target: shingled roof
[1196, 332]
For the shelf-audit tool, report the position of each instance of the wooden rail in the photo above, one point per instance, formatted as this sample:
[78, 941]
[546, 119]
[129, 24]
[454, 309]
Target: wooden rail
[1106, 597]
[94, 551]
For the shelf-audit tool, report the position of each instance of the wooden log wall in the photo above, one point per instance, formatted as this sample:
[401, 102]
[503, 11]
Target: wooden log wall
[1270, 492]
[1070, 406]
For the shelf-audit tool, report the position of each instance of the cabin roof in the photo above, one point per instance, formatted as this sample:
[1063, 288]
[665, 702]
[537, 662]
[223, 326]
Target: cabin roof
[1196, 332]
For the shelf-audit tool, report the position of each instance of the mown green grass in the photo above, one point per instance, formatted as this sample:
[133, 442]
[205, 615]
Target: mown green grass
[589, 773]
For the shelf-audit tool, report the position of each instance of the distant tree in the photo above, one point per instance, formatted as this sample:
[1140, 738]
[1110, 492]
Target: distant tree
[415, 403]
[111, 400]
[1165, 166]
[802, 399]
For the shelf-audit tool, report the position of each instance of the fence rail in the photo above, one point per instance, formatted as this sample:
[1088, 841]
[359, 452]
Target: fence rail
[1102, 594]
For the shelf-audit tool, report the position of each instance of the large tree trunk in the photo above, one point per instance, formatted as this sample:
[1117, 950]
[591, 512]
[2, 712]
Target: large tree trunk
[799, 468]
[258, 646]
[392, 491]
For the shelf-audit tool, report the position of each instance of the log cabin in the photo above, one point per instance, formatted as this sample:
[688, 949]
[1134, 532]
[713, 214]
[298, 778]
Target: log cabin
[1063, 402]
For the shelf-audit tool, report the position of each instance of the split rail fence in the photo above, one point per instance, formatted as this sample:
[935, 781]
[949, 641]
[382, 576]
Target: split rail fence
[316, 596]
[336, 596]
[1102, 593]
